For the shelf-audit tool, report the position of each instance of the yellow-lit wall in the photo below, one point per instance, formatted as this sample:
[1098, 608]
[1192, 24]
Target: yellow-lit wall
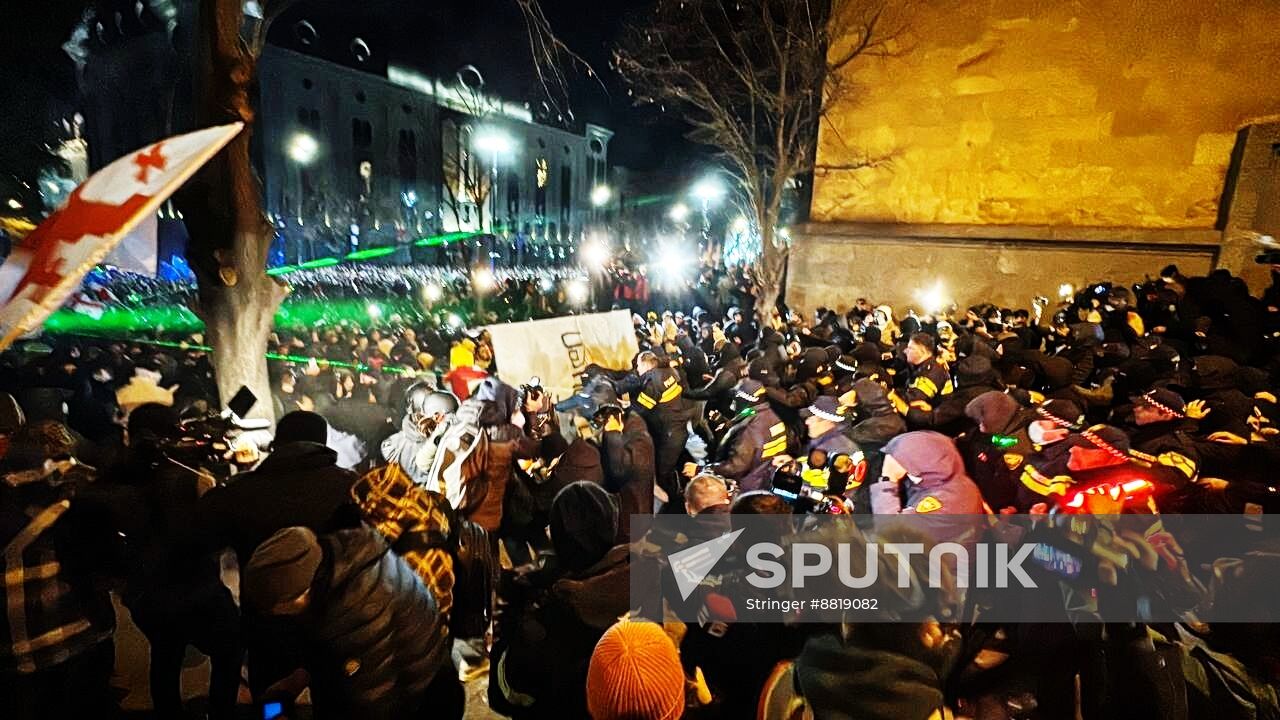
[1110, 113]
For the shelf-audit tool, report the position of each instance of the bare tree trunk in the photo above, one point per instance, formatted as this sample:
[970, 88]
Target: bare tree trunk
[230, 235]
[769, 268]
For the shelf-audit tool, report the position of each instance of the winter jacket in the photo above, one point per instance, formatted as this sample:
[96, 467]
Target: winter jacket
[492, 408]
[299, 484]
[929, 382]
[546, 628]
[880, 424]
[719, 391]
[747, 450]
[59, 546]
[994, 458]
[936, 483]
[377, 638]
[406, 447]
[843, 682]
[628, 460]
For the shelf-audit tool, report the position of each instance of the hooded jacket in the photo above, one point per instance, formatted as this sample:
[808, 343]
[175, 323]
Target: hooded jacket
[378, 636]
[995, 468]
[936, 483]
[550, 619]
[405, 448]
[497, 403]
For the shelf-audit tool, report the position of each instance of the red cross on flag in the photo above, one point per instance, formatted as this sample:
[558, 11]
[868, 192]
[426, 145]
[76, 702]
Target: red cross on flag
[37, 279]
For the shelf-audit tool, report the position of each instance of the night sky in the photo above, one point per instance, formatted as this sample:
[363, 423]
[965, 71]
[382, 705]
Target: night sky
[437, 37]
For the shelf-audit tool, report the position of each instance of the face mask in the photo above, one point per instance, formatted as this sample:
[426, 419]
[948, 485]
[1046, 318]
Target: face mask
[102, 376]
[1043, 432]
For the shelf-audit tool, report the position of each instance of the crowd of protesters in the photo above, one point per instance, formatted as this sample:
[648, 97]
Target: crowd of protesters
[417, 522]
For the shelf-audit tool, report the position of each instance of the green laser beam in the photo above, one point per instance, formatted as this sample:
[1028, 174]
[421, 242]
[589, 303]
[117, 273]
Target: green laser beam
[302, 359]
[372, 253]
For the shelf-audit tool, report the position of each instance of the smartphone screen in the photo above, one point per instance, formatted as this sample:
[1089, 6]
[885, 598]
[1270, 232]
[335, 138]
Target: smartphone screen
[272, 710]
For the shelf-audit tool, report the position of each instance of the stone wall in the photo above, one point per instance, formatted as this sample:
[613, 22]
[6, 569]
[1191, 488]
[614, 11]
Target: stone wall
[836, 263]
[1112, 113]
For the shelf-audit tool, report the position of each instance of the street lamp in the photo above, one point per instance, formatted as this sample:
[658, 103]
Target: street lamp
[495, 143]
[303, 148]
[708, 190]
[600, 195]
[678, 212]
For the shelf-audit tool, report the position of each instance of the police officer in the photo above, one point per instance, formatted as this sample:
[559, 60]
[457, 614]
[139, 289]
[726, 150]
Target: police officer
[928, 379]
[923, 474]
[1162, 430]
[657, 395]
[827, 423]
[746, 453]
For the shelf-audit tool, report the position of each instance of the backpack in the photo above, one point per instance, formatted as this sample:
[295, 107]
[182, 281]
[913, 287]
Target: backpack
[453, 557]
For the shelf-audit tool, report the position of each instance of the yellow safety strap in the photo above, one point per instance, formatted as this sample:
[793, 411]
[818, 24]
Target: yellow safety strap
[1043, 485]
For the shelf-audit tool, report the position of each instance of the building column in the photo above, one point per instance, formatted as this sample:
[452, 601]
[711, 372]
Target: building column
[1251, 203]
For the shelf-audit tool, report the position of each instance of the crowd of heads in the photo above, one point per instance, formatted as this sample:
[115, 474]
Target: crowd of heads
[410, 497]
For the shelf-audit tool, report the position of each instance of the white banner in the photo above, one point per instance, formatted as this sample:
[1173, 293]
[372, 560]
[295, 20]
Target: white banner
[558, 350]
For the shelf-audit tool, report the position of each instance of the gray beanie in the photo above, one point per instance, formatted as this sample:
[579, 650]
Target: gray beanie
[281, 568]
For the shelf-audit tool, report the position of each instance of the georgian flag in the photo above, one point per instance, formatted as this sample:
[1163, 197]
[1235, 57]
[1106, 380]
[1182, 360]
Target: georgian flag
[37, 279]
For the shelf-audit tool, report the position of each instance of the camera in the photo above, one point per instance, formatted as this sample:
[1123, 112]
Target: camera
[803, 497]
[206, 442]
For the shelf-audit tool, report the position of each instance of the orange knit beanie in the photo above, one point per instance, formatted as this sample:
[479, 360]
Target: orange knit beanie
[635, 674]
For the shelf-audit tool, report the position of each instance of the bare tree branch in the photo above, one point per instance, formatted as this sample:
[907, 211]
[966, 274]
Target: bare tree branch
[750, 78]
[551, 56]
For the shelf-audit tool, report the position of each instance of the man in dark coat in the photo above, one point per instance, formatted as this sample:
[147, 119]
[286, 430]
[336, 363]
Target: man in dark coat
[657, 395]
[550, 617]
[299, 484]
[974, 376]
[173, 589]
[746, 453]
[626, 451]
[376, 645]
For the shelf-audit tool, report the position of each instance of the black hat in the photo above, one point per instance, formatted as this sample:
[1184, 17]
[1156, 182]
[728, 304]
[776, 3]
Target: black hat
[1061, 411]
[282, 568]
[301, 426]
[583, 522]
[1102, 437]
[761, 369]
[845, 365]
